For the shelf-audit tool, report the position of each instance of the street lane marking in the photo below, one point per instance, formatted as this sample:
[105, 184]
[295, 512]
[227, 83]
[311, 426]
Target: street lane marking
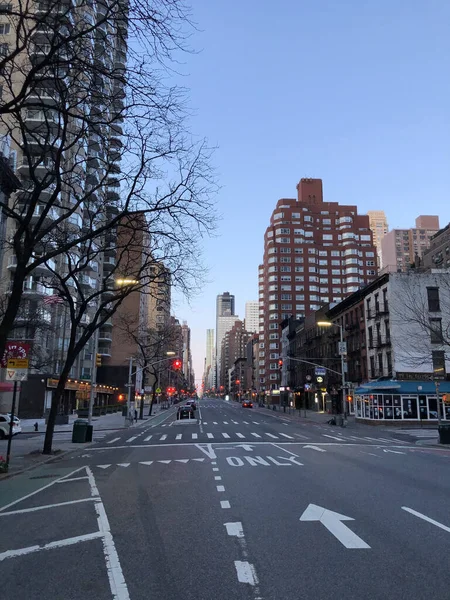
[147, 439]
[255, 422]
[239, 435]
[333, 521]
[198, 459]
[217, 478]
[275, 437]
[425, 518]
[58, 544]
[114, 440]
[287, 436]
[235, 422]
[215, 423]
[393, 451]
[146, 462]
[165, 462]
[123, 464]
[225, 435]
[163, 437]
[315, 448]
[215, 469]
[246, 422]
[178, 437]
[103, 466]
[205, 423]
[35, 508]
[220, 488]
[333, 437]
[225, 504]
[131, 439]
[255, 435]
[210, 436]
[225, 422]
[194, 436]
[235, 529]
[182, 460]
[246, 572]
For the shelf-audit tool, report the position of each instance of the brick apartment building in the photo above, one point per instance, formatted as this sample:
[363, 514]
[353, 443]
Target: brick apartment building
[315, 253]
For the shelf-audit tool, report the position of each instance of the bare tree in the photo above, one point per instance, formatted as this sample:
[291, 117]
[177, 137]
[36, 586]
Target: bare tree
[98, 133]
[151, 347]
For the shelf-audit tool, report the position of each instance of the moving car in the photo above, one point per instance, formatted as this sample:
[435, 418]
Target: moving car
[185, 412]
[4, 425]
[191, 403]
[247, 404]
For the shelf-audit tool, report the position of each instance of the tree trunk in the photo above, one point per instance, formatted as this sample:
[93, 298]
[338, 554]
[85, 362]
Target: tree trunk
[12, 307]
[53, 410]
[155, 383]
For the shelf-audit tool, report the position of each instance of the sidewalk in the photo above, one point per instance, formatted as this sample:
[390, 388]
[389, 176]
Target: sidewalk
[299, 415]
[26, 450]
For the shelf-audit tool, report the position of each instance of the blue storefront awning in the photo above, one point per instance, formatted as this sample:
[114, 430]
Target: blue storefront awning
[402, 387]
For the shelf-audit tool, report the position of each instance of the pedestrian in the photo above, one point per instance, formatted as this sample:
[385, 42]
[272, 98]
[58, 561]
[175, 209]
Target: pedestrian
[135, 415]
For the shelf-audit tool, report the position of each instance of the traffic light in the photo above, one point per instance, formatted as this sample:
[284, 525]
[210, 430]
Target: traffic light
[349, 398]
[98, 360]
[280, 363]
[177, 364]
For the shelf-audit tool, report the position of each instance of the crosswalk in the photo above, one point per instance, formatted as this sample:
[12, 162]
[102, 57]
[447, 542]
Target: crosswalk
[260, 436]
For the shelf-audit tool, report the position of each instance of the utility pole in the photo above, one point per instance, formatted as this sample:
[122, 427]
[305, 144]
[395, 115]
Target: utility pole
[129, 385]
[93, 377]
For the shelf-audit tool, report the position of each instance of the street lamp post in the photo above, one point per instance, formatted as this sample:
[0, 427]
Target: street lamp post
[342, 353]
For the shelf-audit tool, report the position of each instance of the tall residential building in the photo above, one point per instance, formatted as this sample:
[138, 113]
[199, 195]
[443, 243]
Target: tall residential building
[401, 248]
[225, 319]
[315, 253]
[67, 138]
[224, 325]
[234, 347]
[187, 356]
[209, 359]
[251, 316]
[379, 226]
[438, 254]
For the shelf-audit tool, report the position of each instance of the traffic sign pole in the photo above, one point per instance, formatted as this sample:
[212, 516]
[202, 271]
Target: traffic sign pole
[11, 423]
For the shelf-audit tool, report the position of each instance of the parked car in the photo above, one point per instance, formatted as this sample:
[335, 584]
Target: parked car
[4, 425]
[247, 404]
[185, 412]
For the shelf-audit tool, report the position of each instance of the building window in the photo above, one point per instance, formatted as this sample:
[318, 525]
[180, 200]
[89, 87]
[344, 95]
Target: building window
[433, 299]
[285, 250]
[388, 332]
[285, 278]
[368, 308]
[285, 269]
[4, 28]
[380, 364]
[370, 332]
[438, 357]
[285, 259]
[286, 296]
[273, 325]
[436, 331]
[372, 367]
[286, 307]
[389, 363]
[327, 237]
[273, 376]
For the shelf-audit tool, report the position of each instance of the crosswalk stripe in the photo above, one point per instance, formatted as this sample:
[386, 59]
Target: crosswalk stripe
[131, 439]
[147, 439]
[255, 435]
[240, 435]
[385, 440]
[287, 436]
[299, 435]
[204, 423]
[123, 464]
[210, 436]
[246, 422]
[112, 441]
[371, 439]
[255, 422]
[225, 422]
[215, 423]
[146, 462]
[194, 436]
[225, 435]
[275, 437]
[178, 437]
[235, 422]
[163, 437]
[333, 437]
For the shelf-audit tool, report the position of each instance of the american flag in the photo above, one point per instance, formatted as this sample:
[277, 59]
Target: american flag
[53, 299]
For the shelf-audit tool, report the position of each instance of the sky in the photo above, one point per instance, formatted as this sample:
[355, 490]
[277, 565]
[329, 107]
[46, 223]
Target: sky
[354, 92]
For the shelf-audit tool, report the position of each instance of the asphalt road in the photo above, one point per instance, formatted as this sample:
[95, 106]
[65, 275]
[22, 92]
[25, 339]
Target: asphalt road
[245, 504]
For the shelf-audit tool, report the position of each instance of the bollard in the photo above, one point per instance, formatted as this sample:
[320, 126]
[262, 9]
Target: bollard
[36, 426]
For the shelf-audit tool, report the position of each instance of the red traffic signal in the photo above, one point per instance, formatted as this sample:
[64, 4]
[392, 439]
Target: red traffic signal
[177, 364]
[280, 363]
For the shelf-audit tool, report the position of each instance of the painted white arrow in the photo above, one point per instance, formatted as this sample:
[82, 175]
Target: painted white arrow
[333, 522]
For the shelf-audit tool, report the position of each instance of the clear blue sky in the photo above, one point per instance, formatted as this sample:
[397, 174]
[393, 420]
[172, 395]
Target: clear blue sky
[355, 92]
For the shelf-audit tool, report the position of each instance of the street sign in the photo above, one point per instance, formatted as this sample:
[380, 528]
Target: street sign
[158, 390]
[17, 363]
[320, 371]
[343, 348]
[16, 374]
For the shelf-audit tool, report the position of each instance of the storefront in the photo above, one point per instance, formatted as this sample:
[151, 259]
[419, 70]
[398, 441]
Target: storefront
[394, 401]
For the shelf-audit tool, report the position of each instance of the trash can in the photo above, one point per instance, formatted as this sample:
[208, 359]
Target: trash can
[89, 433]
[79, 431]
[444, 433]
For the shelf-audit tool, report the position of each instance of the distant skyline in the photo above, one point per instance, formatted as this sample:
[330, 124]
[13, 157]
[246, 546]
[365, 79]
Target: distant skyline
[352, 93]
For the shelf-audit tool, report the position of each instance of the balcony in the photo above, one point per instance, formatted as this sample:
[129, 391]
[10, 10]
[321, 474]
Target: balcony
[104, 351]
[104, 336]
[109, 262]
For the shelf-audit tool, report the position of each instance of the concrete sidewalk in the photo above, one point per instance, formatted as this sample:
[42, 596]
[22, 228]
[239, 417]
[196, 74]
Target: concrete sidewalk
[299, 415]
[111, 421]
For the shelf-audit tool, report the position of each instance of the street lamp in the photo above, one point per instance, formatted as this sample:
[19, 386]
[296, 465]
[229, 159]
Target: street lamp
[342, 353]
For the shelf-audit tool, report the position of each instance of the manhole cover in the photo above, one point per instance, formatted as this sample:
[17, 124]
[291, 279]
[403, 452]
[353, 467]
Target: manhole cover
[45, 476]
